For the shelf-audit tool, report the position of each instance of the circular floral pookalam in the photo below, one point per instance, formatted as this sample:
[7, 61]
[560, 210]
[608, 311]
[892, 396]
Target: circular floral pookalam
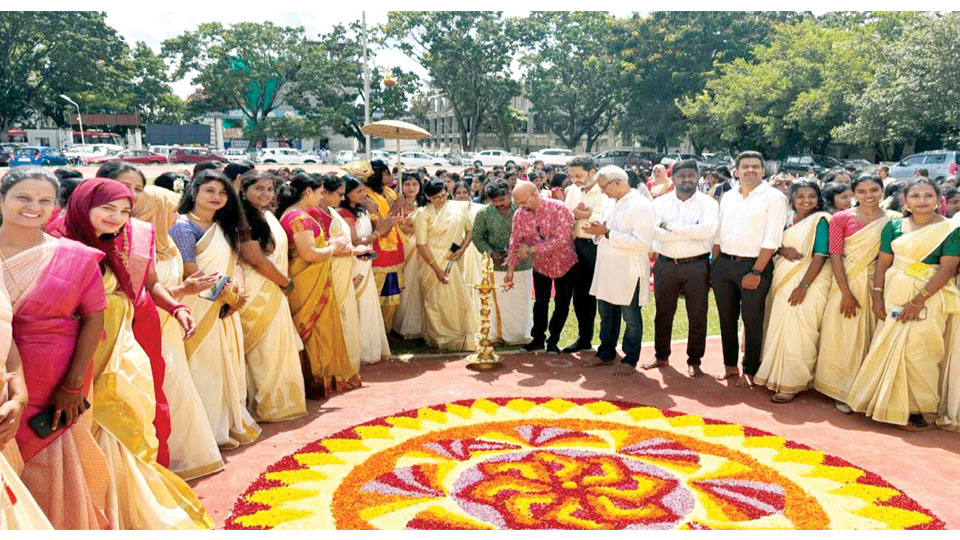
[542, 463]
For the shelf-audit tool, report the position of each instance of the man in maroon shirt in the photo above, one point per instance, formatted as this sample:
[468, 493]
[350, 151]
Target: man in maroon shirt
[543, 230]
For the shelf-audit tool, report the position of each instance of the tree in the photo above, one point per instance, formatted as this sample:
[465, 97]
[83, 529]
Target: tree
[504, 119]
[790, 96]
[670, 56]
[47, 53]
[247, 66]
[329, 88]
[915, 93]
[574, 78]
[467, 55]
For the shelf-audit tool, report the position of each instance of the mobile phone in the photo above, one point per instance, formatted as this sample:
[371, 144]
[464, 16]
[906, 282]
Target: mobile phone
[368, 256]
[214, 293]
[895, 312]
[42, 423]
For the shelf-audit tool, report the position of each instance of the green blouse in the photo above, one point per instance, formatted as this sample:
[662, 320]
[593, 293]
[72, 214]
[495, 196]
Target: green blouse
[821, 242]
[894, 229]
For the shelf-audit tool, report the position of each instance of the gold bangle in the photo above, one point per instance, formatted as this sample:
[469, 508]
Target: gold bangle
[924, 292]
[914, 304]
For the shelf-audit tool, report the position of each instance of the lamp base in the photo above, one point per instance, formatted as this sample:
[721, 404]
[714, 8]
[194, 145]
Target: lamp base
[485, 366]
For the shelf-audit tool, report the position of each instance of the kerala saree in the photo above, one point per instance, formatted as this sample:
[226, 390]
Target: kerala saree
[274, 381]
[844, 341]
[341, 277]
[900, 374]
[326, 362]
[793, 332]
[374, 346]
[408, 320]
[449, 320]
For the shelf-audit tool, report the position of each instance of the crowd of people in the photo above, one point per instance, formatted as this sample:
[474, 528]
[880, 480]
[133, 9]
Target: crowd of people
[146, 326]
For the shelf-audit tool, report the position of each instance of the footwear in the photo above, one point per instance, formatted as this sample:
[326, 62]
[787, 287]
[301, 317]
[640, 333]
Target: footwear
[553, 350]
[694, 371]
[843, 407]
[728, 372]
[576, 347]
[654, 363]
[782, 397]
[533, 347]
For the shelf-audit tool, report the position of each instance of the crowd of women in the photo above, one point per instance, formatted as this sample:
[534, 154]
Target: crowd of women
[145, 327]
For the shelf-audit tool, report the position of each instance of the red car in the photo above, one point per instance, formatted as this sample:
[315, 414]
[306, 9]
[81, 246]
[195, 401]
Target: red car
[195, 155]
[143, 157]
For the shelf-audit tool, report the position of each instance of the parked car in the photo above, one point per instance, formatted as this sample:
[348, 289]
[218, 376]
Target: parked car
[80, 153]
[7, 151]
[419, 159]
[235, 155]
[165, 149]
[670, 159]
[619, 158]
[346, 156]
[381, 155]
[490, 158]
[37, 155]
[195, 155]
[714, 159]
[798, 165]
[285, 156]
[551, 156]
[859, 165]
[939, 163]
[144, 157]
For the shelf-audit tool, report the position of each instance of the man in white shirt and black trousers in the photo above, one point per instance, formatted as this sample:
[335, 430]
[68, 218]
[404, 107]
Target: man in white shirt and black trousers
[752, 218]
[621, 280]
[683, 239]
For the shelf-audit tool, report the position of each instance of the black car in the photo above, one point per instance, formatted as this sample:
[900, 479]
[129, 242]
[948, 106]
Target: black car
[799, 165]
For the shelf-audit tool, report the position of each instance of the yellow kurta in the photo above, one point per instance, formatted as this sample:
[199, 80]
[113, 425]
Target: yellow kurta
[900, 374]
[193, 447]
[215, 352]
[274, 380]
[316, 315]
[844, 341]
[793, 332]
[142, 494]
[449, 320]
[341, 272]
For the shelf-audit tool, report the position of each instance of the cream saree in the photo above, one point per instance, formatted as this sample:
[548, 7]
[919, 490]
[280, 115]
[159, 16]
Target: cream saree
[948, 412]
[845, 341]
[274, 380]
[471, 262]
[900, 374]
[374, 346]
[793, 332]
[408, 320]
[449, 320]
[142, 494]
[215, 352]
[341, 273]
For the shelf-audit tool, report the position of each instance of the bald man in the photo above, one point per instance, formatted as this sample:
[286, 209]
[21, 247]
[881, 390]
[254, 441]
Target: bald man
[543, 232]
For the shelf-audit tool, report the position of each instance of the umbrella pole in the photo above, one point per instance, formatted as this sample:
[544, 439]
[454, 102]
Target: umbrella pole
[399, 167]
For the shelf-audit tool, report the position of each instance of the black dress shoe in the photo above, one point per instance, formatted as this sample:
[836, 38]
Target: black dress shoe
[533, 347]
[553, 349]
[576, 347]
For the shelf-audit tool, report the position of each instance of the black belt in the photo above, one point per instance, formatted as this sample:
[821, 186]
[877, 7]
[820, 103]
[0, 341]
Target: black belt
[703, 257]
[738, 259]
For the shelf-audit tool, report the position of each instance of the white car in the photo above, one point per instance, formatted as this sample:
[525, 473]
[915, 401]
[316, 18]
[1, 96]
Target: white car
[165, 149]
[419, 159]
[79, 153]
[285, 156]
[490, 158]
[235, 155]
[552, 156]
[345, 156]
[670, 159]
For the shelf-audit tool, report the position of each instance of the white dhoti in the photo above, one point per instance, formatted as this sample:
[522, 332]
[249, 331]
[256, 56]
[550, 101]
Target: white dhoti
[513, 308]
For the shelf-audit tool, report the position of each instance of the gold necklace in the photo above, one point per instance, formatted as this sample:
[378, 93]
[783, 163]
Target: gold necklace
[13, 278]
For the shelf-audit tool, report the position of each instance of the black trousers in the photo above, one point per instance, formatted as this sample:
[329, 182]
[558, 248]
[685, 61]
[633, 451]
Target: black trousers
[734, 302]
[541, 304]
[584, 304]
[670, 279]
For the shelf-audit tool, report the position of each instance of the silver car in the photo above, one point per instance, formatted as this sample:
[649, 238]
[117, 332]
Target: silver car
[939, 163]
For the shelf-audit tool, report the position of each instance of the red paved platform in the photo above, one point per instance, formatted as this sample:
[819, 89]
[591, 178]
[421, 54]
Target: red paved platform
[925, 465]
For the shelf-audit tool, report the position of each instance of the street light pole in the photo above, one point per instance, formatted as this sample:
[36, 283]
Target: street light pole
[366, 86]
[83, 141]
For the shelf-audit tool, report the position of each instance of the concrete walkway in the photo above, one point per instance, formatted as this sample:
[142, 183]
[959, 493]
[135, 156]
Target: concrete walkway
[925, 465]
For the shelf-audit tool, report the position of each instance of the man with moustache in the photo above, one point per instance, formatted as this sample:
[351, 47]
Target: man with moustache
[749, 232]
[682, 239]
[511, 319]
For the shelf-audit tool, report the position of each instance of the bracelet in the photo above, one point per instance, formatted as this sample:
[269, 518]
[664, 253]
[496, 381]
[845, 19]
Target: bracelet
[924, 292]
[178, 307]
[911, 303]
[877, 289]
[290, 286]
[804, 284]
[71, 391]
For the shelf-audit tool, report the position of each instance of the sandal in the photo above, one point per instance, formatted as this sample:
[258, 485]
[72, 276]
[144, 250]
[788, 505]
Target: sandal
[782, 397]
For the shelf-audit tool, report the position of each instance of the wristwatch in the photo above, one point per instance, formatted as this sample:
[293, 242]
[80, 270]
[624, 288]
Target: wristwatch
[755, 272]
[607, 234]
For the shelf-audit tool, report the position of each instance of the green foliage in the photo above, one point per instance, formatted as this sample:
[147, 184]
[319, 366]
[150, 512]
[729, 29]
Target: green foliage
[467, 55]
[47, 53]
[573, 75]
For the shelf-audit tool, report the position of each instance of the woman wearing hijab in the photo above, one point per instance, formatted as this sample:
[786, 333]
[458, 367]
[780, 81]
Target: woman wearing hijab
[142, 493]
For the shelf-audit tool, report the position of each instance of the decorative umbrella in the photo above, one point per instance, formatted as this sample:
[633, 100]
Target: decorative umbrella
[395, 129]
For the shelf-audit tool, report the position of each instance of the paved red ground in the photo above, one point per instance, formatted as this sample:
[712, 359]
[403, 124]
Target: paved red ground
[925, 465]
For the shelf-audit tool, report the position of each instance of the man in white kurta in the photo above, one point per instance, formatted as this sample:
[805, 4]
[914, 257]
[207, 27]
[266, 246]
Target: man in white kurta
[621, 281]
